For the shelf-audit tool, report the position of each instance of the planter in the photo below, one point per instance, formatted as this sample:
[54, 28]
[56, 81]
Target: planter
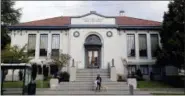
[133, 82]
[53, 83]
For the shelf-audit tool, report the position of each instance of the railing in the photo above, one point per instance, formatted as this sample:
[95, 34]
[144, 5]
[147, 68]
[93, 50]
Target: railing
[124, 62]
[113, 75]
[73, 71]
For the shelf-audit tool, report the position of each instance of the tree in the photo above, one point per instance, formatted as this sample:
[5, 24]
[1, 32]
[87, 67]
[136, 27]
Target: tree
[14, 55]
[172, 35]
[61, 60]
[9, 16]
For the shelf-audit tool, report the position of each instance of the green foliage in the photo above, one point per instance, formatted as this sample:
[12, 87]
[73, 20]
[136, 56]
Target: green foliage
[152, 84]
[64, 76]
[139, 75]
[14, 55]
[172, 35]
[61, 60]
[120, 78]
[9, 16]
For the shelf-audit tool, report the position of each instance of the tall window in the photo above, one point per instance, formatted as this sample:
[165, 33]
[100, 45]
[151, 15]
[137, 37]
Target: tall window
[154, 44]
[144, 69]
[142, 45]
[31, 44]
[131, 69]
[43, 44]
[55, 45]
[130, 45]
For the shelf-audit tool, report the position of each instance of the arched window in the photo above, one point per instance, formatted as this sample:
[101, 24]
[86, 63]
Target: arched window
[93, 40]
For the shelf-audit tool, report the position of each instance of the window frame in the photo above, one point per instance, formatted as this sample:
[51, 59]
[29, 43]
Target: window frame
[157, 35]
[43, 49]
[134, 46]
[145, 68]
[55, 49]
[139, 46]
[28, 50]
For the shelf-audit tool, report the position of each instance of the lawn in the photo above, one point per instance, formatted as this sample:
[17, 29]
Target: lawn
[18, 84]
[152, 84]
[167, 93]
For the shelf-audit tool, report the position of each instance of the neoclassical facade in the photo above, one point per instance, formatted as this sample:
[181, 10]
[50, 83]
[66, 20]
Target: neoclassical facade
[92, 40]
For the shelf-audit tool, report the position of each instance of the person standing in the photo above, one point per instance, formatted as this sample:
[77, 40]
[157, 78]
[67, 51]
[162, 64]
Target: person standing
[98, 78]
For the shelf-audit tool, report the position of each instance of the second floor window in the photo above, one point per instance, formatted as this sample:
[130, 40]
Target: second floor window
[55, 45]
[31, 44]
[43, 44]
[131, 45]
[154, 44]
[142, 45]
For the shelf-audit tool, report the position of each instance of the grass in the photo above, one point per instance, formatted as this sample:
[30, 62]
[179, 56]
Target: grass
[18, 84]
[152, 84]
[14, 84]
[167, 93]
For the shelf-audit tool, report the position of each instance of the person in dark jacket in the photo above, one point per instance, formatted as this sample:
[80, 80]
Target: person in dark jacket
[98, 78]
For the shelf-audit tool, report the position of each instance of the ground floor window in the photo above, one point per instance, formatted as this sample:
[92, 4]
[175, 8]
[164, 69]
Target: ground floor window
[43, 44]
[156, 70]
[144, 69]
[131, 69]
[39, 69]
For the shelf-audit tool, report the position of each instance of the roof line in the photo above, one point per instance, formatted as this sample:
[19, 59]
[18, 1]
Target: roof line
[93, 12]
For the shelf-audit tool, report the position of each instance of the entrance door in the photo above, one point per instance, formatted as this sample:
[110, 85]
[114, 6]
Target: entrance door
[93, 58]
[92, 51]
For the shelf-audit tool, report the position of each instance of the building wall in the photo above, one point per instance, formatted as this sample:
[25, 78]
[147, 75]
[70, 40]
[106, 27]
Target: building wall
[114, 47]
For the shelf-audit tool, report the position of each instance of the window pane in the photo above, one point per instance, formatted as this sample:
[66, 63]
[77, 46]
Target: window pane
[55, 41]
[31, 44]
[144, 69]
[154, 44]
[142, 45]
[43, 44]
[55, 52]
[130, 45]
[131, 68]
[55, 45]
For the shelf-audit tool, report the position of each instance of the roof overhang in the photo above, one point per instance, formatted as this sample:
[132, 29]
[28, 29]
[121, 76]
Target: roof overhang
[139, 27]
[38, 27]
[120, 27]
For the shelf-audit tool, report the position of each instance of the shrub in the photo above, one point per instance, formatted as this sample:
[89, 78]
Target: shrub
[139, 75]
[45, 72]
[34, 71]
[120, 78]
[64, 76]
[20, 75]
[175, 81]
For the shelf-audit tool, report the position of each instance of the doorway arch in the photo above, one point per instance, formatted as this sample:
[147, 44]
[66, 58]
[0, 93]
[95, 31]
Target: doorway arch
[93, 46]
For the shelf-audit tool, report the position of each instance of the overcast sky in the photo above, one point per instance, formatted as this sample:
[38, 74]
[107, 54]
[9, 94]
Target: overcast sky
[35, 10]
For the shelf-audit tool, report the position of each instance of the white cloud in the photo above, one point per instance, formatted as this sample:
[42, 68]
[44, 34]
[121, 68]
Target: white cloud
[34, 10]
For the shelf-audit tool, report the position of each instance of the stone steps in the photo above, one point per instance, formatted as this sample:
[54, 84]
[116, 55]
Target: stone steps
[85, 83]
[103, 92]
[83, 88]
[92, 70]
[90, 76]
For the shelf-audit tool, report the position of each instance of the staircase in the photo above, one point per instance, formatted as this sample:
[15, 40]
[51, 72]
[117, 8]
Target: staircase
[84, 85]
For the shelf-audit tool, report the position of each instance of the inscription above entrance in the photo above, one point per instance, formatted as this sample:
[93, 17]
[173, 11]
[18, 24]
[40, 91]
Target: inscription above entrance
[92, 19]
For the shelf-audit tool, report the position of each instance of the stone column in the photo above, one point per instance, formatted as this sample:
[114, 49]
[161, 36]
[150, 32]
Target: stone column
[49, 44]
[137, 45]
[37, 50]
[148, 46]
